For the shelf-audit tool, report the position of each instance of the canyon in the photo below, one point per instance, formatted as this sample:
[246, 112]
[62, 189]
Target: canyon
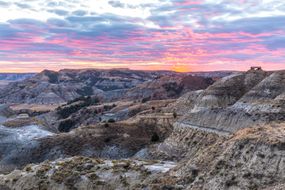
[124, 129]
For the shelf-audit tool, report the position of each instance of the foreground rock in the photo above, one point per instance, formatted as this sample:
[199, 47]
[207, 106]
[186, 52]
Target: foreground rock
[253, 158]
[84, 173]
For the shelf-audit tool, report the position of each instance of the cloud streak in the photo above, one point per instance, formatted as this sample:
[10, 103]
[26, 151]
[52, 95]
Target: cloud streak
[149, 34]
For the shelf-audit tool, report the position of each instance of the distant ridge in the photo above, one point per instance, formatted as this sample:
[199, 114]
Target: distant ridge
[15, 76]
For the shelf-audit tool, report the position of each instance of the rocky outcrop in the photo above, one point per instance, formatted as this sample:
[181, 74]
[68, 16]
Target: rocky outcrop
[252, 158]
[239, 101]
[228, 90]
[183, 104]
[85, 173]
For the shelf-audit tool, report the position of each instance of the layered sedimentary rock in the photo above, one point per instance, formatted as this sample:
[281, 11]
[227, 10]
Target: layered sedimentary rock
[228, 136]
[183, 142]
[253, 158]
[239, 101]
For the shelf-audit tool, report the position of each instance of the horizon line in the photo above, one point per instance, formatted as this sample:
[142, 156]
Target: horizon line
[146, 70]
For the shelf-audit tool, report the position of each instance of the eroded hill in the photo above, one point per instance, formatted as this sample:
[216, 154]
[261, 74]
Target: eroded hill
[229, 136]
[49, 87]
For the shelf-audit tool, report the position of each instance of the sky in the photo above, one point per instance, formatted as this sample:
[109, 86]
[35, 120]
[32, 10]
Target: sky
[180, 35]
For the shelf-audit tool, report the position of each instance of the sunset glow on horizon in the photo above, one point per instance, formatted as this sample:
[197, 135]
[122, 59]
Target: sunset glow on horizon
[178, 35]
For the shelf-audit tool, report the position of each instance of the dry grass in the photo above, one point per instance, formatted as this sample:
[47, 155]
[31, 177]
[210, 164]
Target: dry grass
[271, 134]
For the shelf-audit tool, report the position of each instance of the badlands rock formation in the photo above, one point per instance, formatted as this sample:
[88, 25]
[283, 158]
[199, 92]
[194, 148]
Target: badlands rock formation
[239, 101]
[229, 136]
[168, 87]
[252, 158]
[49, 87]
[7, 78]
[84, 174]
[107, 140]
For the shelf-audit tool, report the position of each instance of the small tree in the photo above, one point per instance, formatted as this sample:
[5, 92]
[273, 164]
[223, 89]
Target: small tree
[174, 114]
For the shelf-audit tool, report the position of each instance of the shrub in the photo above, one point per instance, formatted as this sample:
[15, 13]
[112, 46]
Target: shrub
[154, 137]
[108, 139]
[66, 125]
[66, 111]
[111, 121]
